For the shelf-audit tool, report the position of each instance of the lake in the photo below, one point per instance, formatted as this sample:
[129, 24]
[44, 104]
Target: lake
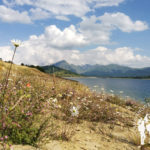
[137, 89]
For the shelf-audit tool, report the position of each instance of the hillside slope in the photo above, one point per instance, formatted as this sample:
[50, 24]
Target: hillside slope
[63, 114]
[59, 71]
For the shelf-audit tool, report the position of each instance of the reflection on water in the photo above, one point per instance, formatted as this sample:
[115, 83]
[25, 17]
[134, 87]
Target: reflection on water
[135, 88]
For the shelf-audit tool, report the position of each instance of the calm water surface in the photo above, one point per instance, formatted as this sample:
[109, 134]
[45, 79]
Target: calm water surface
[135, 88]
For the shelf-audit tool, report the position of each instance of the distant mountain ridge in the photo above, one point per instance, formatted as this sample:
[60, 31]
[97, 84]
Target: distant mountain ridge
[111, 70]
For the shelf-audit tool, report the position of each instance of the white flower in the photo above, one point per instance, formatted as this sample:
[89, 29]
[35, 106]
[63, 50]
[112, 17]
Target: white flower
[111, 91]
[112, 95]
[10, 79]
[71, 103]
[54, 100]
[71, 93]
[95, 86]
[74, 111]
[102, 89]
[16, 43]
[83, 99]
[121, 92]
[141, 129]
[59, 106]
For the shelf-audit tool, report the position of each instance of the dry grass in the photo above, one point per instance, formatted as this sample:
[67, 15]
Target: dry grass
[34, 95]
[134, 138]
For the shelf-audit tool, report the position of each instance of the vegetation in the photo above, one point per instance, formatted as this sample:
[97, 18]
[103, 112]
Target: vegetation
[37, 107]
[59, 72]
[32, 66]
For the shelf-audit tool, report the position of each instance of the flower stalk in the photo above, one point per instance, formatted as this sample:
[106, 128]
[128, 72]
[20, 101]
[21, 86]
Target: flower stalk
[8, 74]
[2, 102]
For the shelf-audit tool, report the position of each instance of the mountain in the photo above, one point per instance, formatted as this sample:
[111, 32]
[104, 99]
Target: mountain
[59, 71]
[111, 70]
[65, 65]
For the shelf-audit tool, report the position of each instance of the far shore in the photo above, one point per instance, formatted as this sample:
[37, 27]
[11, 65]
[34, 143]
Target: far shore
[143, 78]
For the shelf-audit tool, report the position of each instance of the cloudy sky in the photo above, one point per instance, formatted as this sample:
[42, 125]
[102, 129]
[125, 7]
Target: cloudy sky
[78, 31]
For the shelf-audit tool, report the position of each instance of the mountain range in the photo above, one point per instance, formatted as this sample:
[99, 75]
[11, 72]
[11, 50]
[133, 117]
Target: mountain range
[111, 70]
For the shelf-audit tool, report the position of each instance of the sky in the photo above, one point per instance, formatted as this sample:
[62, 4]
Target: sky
[78, 31]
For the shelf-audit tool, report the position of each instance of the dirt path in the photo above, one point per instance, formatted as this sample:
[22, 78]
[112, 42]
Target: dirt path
[92, 136]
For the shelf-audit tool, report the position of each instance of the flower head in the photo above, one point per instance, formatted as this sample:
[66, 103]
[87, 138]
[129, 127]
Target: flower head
[74, 111]
[111, 91]
[54, 100]
[16, 43]
[28, 85]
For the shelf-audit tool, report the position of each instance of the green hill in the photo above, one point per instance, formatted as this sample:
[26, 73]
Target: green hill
[59, 71]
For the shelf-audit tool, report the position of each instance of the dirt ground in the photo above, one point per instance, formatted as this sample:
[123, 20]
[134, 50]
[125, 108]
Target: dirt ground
[92, 136]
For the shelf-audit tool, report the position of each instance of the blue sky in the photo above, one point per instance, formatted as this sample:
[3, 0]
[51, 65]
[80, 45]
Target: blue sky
[81, 31]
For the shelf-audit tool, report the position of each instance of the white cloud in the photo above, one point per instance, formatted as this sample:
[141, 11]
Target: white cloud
[56, 44]
[123, 22]
[77, 8]
[10, 15]
[6, 52]
[99, 29]
[18, 2]
[38, 14]
[62, 9]
[102, 55]
[62, 18]
[41, 54]
[66, 39]
[47, 47]
[104, 3]
[95, 32]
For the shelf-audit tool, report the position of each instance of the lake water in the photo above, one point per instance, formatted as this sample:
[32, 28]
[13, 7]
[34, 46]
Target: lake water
[138, 89]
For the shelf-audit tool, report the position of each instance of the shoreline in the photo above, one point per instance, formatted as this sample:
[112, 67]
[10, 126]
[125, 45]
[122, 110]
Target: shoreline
[141, 78]
[97, 88]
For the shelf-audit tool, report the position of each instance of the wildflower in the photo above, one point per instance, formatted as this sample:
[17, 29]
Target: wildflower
[60, 95]
[71, 103]
[29, 113]
[74, 111]
[78, 98]
[111, 91]
[86, 108]
[101, 100]
[28, 85]
[54, 100]
[112, 95]
[141, 129]
[59, 106]
[98, 105]
[102, 89]
[6, 137]
[95, 86]
[16, 43]
[121, 92]
[53, 88]
[11, 147]
[10, 79]
[83, 99]
[71, 93]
